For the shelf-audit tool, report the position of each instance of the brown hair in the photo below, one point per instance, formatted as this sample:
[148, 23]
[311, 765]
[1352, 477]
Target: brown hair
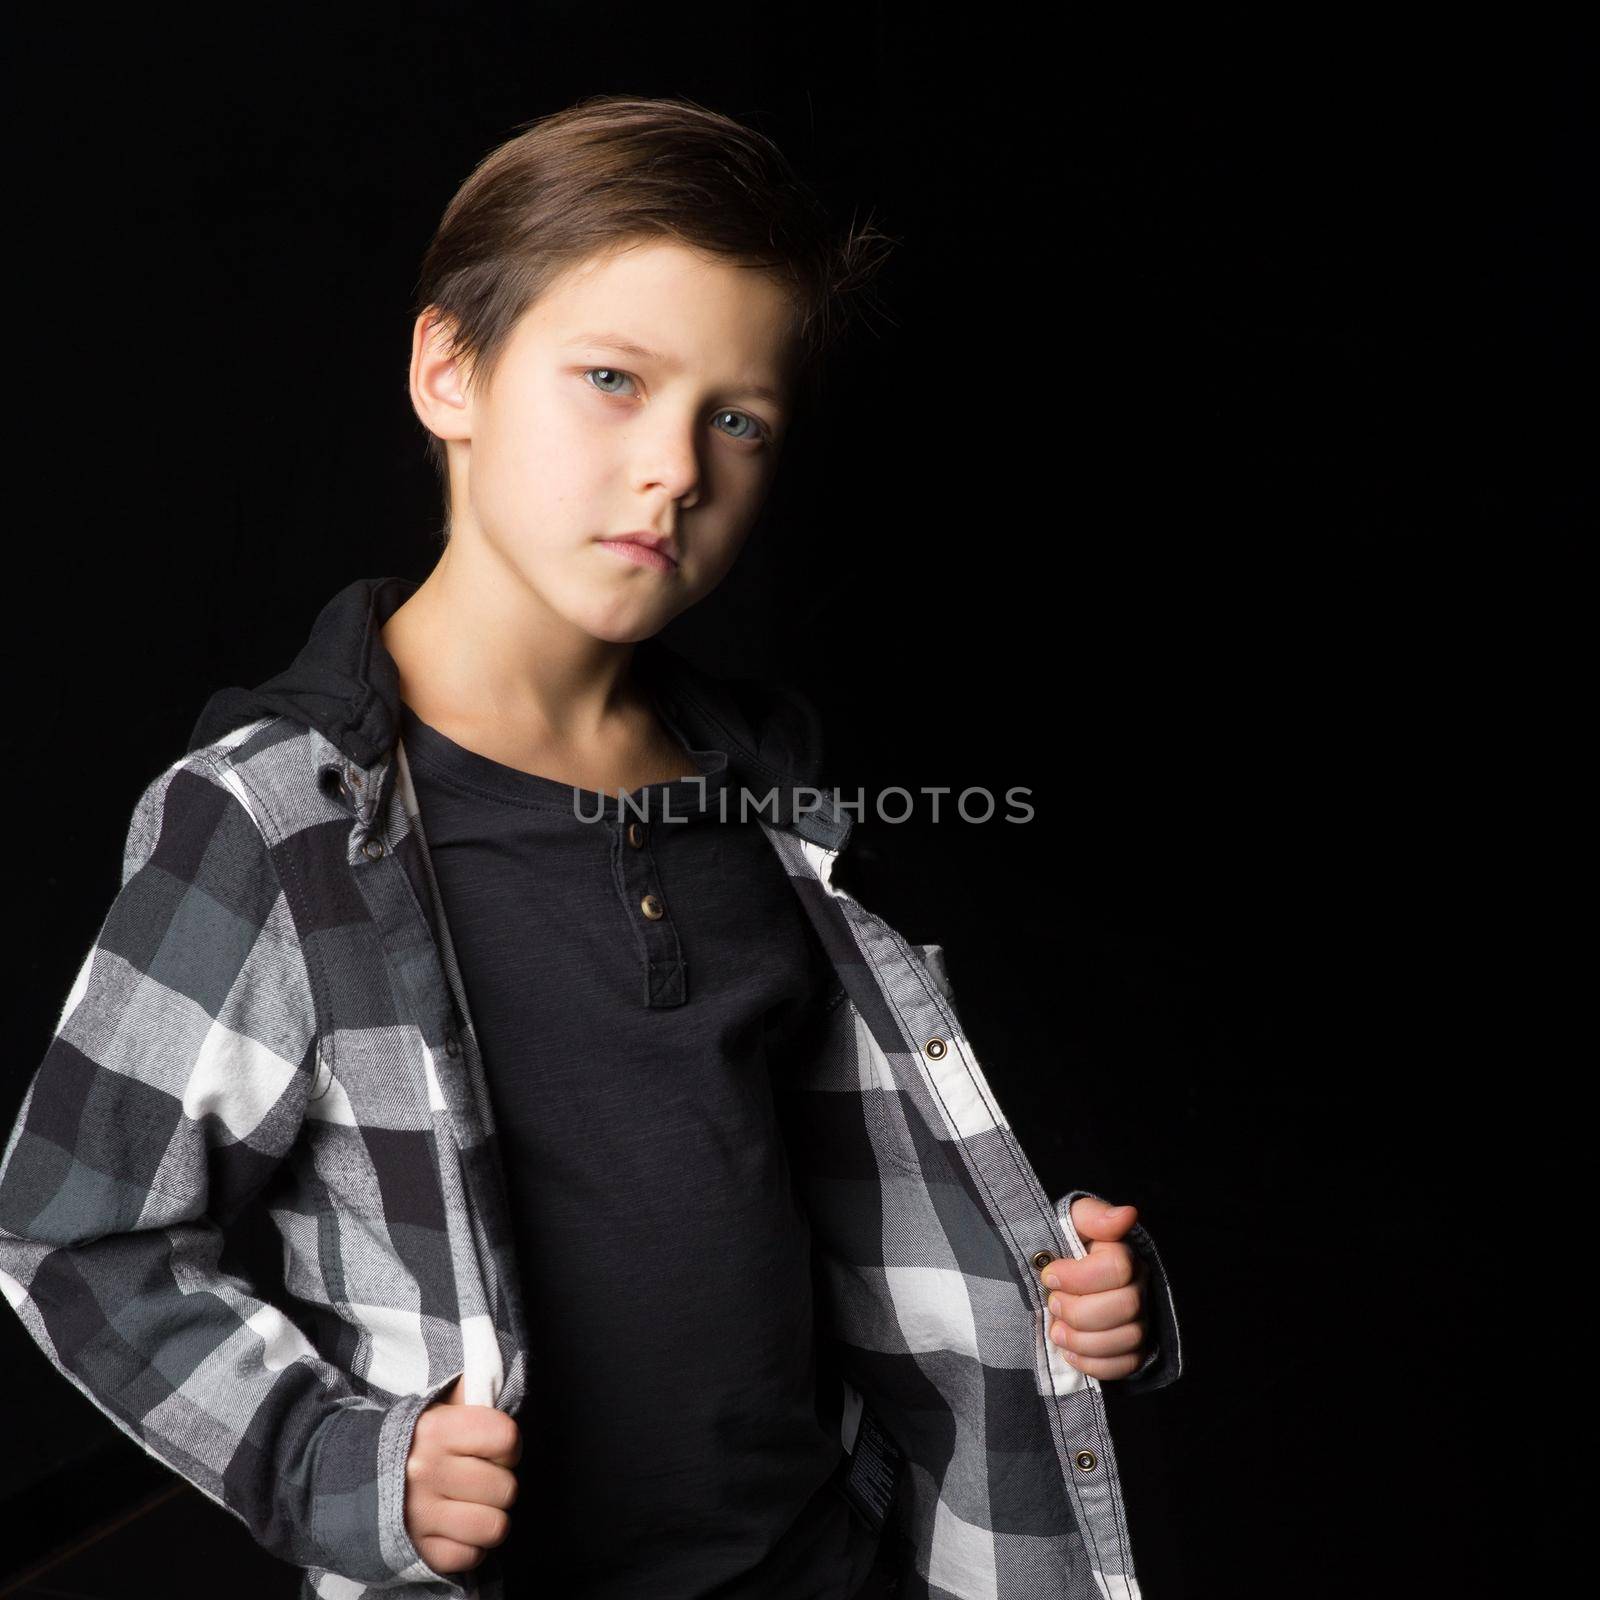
[614, 167]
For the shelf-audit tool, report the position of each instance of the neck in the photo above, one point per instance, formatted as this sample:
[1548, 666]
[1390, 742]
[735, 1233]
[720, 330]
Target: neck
[475, 642]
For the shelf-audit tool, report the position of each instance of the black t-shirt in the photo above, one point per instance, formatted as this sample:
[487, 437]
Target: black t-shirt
[633, 981]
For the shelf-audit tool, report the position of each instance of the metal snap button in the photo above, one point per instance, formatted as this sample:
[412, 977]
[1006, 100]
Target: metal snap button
[635, 835]
[1042, 1259]
[372, 849]
[1085, 1460]
[652, 908]
[936, 1048]
[355, 779]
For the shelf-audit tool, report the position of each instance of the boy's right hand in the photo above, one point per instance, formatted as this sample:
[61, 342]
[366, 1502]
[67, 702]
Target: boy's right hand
[459, 1481]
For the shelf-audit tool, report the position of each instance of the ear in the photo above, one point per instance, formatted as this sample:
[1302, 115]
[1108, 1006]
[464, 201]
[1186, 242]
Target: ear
[440, 382]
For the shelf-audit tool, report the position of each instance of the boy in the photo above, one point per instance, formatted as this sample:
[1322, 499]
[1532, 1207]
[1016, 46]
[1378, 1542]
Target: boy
[700, 1219]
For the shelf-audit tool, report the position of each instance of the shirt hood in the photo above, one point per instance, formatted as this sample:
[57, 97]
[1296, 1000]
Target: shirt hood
[344, 683]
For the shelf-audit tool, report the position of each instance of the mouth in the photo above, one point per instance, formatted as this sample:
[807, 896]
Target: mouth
[641, 554]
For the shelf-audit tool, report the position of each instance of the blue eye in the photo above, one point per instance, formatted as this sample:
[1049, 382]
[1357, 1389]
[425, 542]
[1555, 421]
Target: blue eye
[756, 429]
[613, 373]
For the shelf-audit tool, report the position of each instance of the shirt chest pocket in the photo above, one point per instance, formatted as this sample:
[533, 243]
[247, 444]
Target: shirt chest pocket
[394, 1155]
[845, 1101]
[915, 1061]
[931, 957]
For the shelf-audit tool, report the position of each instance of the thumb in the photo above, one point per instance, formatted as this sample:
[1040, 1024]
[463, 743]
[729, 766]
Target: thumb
[1094, 1219]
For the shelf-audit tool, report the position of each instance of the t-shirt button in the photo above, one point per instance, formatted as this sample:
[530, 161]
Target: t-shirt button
[652, 907]
[635, 835]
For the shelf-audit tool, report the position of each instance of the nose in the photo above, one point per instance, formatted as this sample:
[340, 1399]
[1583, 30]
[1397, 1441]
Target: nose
[669, 461]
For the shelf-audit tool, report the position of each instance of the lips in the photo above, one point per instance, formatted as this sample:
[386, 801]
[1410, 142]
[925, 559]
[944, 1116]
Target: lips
[637, 551]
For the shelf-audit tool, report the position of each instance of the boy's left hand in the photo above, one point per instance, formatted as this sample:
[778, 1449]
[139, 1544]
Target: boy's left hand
[1097, 1309]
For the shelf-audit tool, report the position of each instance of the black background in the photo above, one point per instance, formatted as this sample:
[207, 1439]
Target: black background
[1190, 486]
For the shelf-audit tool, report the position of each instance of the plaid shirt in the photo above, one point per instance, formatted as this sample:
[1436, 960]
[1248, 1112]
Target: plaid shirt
[271, 1016]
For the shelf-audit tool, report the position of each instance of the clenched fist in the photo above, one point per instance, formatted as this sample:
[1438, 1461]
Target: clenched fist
[459, 1482]
[1098, 1304]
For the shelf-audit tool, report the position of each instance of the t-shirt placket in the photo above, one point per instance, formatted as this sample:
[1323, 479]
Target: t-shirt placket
[639, 887]
[637, 828]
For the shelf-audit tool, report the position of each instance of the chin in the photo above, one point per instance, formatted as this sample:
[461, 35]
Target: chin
[604, 613]
[625, 636]
[622, 630]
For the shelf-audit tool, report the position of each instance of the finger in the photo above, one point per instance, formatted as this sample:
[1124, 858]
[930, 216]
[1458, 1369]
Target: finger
[472, 1431]
[466, 1522]
[1113, 1367]
[448, 1555]
[505, 1437]
[1116, 1267]
[472, 1478]
[1092, 1313]
[1107, 1266]
[1095, 1219]
[1126, 1338]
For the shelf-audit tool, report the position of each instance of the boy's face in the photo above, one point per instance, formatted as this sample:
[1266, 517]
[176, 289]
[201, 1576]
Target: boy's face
[576, 440]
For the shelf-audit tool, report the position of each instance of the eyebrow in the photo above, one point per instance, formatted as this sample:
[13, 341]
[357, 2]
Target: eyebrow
[615, 341]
